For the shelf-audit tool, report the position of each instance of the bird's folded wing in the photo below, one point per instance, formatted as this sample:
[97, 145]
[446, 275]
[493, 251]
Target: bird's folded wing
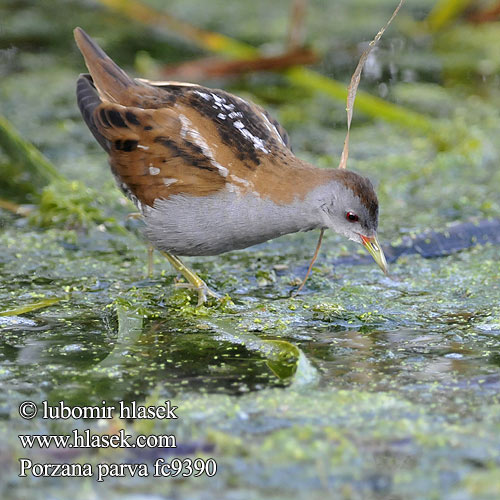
[193, 141]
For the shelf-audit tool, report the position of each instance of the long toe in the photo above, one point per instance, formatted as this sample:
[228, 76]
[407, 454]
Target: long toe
[203, 292]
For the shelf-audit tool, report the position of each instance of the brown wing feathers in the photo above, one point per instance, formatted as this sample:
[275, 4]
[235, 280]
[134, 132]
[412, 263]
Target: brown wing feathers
[147, 156]
[111, 82]
[174, 138]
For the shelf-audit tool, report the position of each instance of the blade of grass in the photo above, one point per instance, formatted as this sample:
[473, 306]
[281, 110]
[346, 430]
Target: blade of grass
[26, 155]
[59, 200]
[211, 67]
[296, 28]
[366, 103]
[30, 307]
[285, 360]
[215, 42]
[313, 260]
[351, 97]
[355, 79]
[15, 208]
[488, 15]
[445, 12]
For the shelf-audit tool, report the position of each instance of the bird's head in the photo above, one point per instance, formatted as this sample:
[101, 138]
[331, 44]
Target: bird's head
[351, 209]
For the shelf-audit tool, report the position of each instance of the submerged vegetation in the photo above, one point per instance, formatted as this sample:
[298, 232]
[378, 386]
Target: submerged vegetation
[362, 386]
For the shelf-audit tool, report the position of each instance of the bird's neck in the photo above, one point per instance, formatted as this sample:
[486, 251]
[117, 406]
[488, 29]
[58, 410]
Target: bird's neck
[259, 219]
[256, 219]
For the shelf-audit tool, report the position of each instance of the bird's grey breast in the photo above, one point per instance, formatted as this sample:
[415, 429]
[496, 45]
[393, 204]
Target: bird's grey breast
[221, 222]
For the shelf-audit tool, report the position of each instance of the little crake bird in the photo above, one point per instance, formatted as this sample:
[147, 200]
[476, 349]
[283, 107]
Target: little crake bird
[211, 172]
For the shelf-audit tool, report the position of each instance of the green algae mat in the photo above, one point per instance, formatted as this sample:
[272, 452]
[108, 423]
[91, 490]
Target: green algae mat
[363, 386]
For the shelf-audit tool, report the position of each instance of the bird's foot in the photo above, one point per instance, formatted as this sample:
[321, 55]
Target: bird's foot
[202, 290]
[194, 282]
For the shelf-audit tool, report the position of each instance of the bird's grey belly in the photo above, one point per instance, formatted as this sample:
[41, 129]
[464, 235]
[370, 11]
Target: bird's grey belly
[210, 225]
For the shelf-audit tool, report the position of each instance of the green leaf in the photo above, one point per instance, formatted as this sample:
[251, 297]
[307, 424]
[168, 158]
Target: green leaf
[30, 307]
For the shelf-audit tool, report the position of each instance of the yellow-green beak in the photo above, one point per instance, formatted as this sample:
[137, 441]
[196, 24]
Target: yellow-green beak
[375, 250]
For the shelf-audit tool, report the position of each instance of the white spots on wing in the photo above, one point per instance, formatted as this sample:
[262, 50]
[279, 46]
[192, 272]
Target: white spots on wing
[237, 185]
[272, 128]
[185, 125]
[239, 180]
[203, 94]
[220, 103]
[154, 170]
[168, 181]
[222, 170]
[165, 83]
[131, 196]
[192, 133]
[233, 188]
[257, 141]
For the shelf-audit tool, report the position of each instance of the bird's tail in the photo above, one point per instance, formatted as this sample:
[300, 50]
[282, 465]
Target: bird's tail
[112, 83]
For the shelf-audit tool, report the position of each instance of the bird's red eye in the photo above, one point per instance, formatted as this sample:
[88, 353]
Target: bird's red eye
[351, 217]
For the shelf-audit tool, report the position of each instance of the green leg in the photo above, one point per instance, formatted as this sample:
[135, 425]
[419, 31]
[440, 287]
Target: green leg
[194, 281]
[150, 261]
[134, 215]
